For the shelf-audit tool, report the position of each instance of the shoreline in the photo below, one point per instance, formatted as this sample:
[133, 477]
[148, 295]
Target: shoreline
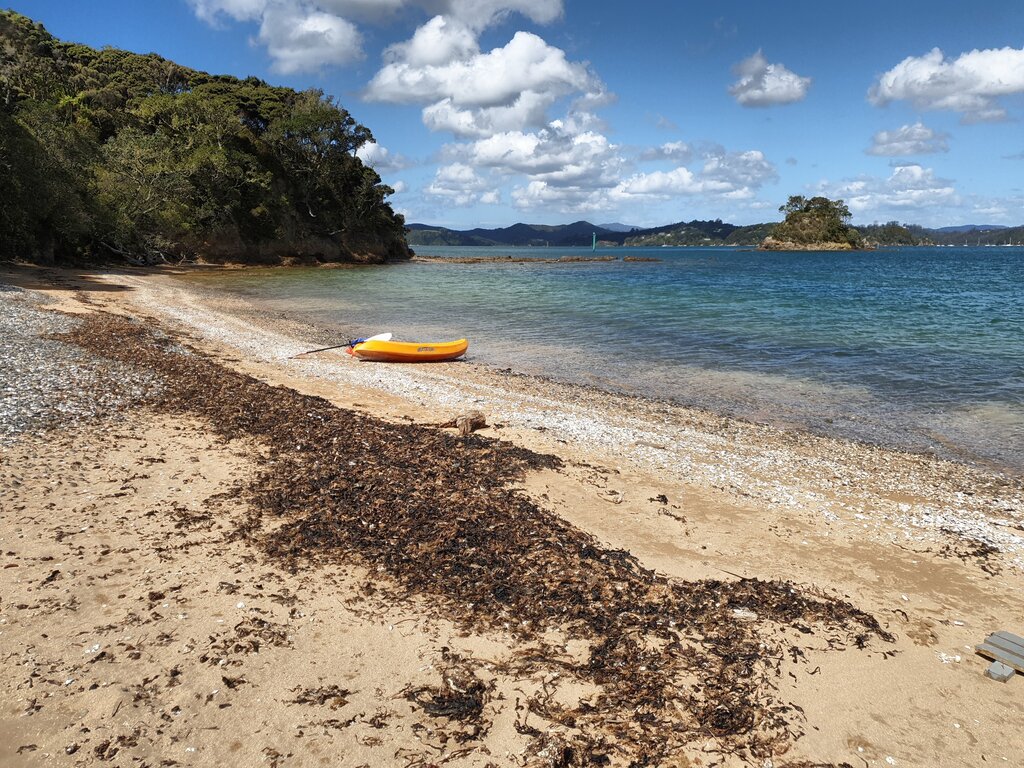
[912, 406]
[758, 457]
[640, 401]
[691, 495]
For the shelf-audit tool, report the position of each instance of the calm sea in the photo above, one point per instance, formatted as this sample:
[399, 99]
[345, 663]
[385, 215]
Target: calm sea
[918, 348]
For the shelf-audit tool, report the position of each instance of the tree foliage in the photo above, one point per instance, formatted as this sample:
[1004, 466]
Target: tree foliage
[110, 152]
[893, 233]
[816, 220]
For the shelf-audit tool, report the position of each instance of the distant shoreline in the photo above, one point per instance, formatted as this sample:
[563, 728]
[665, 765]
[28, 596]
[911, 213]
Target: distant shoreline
[696, 233]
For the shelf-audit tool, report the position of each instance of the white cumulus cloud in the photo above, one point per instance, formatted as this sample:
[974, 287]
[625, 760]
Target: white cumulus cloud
[556, 155]
[308, 35]
[908, 187]
[916, 139]
[381, 158]
[210, 11]
[483, 13]
[678, 181]
[740, 169]
[564, 166]
[540, 195]
[762, 84]
[475, 94]
[458, 184]
[473, 79]
[529, 108]
[719, 175]
[970, 84]
[733, 175]
[678, 151]
[306, 41]
[437, 42]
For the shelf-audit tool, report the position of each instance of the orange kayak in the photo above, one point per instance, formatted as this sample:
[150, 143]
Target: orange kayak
[409, 352]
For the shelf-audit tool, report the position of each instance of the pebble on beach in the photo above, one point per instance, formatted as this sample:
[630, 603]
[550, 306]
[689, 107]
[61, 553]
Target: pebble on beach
[44, 382]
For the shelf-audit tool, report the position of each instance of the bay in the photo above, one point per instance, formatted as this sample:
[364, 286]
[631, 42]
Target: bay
[915, 348]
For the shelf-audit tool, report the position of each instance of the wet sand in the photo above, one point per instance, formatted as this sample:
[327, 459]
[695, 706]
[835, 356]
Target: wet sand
[125, 574]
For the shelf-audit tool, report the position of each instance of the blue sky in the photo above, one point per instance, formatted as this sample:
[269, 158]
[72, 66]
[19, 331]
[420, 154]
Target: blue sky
[488, 112]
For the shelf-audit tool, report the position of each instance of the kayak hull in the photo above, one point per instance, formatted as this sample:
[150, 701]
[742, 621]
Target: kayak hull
[409, 352]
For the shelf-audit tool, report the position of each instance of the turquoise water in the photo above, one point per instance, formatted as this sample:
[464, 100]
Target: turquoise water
[919, 348]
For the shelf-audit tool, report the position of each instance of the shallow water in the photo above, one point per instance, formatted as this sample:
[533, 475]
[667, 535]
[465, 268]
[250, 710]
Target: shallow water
[918, 348]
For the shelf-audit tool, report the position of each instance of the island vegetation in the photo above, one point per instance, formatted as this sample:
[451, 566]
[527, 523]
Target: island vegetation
[814, 224]
[108, 154]
[892, 233]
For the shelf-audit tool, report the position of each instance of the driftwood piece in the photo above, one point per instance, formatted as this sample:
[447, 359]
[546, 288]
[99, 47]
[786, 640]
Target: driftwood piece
[467, 422]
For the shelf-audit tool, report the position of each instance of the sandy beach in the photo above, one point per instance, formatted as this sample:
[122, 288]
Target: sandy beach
[215, 553]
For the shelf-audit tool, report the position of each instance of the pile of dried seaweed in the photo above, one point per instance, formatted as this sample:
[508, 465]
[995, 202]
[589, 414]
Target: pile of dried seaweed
[675, 663]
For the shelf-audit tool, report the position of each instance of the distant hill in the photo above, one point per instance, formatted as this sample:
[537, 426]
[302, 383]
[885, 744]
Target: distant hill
[578, 233]
[699, 233]
[894, 233]
[581, 233]
[426, 234]
[976, 236]
[618, 227]
[971, 228]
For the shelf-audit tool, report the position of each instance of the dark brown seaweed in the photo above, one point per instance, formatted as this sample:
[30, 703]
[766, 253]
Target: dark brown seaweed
[676, 664]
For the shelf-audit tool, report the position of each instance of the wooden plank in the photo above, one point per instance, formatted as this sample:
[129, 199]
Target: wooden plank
[996, 645]
[1009, 638]
[1008, 646]
[999, 672]
[1001, 654]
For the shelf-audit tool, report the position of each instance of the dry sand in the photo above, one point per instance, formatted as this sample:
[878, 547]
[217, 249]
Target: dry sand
[134, 629]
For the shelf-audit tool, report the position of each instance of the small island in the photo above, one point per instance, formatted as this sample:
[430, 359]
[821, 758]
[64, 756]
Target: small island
[820, 224]
[814, 224]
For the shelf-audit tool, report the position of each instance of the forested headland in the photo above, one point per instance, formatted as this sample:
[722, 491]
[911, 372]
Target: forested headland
[111, 155]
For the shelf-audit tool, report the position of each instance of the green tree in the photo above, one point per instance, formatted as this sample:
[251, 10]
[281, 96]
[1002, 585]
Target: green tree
[144, 192]
[112, 152]
[816, 220]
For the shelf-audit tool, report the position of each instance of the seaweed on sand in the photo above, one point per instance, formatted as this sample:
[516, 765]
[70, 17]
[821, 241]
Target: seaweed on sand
[676, 664]
[459, 700]
[969, 549]
[326, 695]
